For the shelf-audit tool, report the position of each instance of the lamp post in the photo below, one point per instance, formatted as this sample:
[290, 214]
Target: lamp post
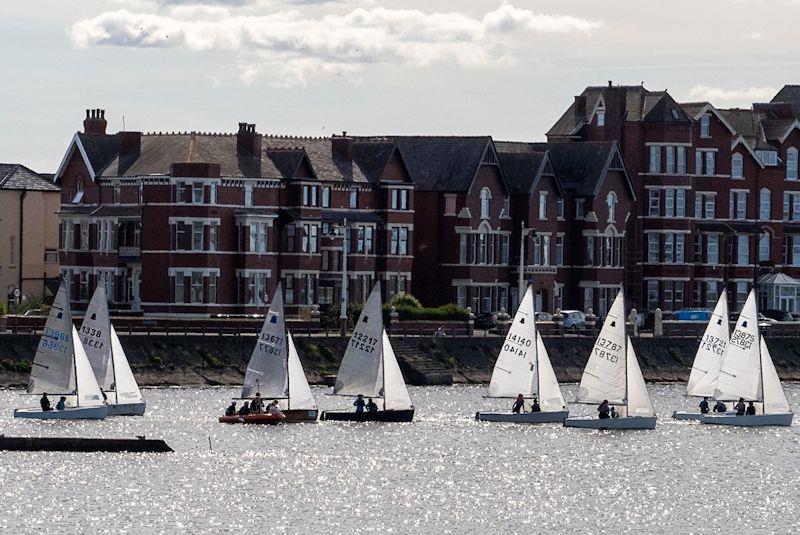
[523, 234]
[343, 310]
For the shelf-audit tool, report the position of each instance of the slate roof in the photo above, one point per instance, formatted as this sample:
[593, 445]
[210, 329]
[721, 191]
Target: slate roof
[100, 149]
[791, 95]
[442, 163]
[743, 122]
[16, 176]
[521, 164]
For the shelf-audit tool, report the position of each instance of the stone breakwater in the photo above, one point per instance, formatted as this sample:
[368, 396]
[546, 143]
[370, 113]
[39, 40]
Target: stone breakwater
[221, 360]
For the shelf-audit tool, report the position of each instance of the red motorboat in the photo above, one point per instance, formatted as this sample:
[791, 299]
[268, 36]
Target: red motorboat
[261, 418]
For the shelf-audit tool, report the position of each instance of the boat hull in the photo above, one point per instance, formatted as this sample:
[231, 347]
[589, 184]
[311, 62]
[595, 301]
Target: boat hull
[523, 418]
[625, 422]
[261, 419]
[299, 416]
[379, 416]
[70, 413]
[127, 409]
[756, 420]
[691, 416]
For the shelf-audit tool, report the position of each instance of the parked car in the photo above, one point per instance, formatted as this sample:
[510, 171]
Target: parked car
[34, 312]
[692, 314]
[764, 321]
[544, 316]
[778, 315]
[574, 319]
[486, 320]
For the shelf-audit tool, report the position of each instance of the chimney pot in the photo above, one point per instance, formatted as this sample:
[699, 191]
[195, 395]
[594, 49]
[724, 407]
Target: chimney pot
[609, 83]
[95, 122]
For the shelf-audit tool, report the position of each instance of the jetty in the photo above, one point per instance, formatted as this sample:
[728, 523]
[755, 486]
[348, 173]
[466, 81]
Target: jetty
[116, 445]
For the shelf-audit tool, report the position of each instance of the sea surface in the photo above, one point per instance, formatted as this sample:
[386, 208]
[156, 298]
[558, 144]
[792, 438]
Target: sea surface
[443, 473]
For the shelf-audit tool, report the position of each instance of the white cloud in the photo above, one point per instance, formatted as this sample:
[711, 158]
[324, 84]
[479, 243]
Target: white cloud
[301, 45]
[728, 96]
[754, 35]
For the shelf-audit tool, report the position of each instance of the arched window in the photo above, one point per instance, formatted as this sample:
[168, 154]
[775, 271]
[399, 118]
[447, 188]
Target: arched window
[764, 205]
[485, 196]
[763, 247]
[77, 196]
[611, 202]
[791, 163]
[737, 166]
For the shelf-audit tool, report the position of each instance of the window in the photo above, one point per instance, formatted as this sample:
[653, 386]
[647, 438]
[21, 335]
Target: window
[180, 192]
[589, 250]
[257, 289]
[669, 203]
[796, 250]
[737, 166]
[212, 194]
[542, 205]
[212, 287]
[248, 194]
[182, 236]
[763, 247]
[742, 250]
[179, 290]
[50, 256]
[741, 294]
[559, 250]
[655, 159]
[698, 162]
[681, 160]
[791, 163]
[77, 198]
[680, 247]
[698, 247]
[461, 296]
[117, 193]
[197, 235]
[197, 193]
[611, 202]
[462, 248]
[588, 298]
[652, 295]
[212, 236]
[710, 169]
[326, 196]
[258, 237]
[712, 249]
[403, 245]
[579, 208]
[485, 196]
[764, 205]
[601, 118]
[290, 238]
[105, 235]
[482, 248]
[310, 195]
[670, 150]
[353, 198]
[504, 248]
[738, 205]
[395, 235]
[680, 203]
[83, 287]
[560, 208]
[711, 292]
[654, 202]
[368, 241]
[652, 247]
[67, 234]
[558, 297]
[84, 236]
[450, 208]
[360, 239]
[705, 126]
[768, 157]
[289, 292]
[669, 251]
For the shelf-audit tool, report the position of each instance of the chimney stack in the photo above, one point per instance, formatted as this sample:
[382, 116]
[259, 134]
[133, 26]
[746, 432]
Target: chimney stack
[342, 146]
[95, 122]
[248, 140]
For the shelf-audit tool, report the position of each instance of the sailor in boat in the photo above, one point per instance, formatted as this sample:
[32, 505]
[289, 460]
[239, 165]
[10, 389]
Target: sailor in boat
[272, 408]
[62, 403]
[519, 404]
[614, 413]
[603, 410]
[720, 407]
[359, 404]
[231, 410]
[372, 406]
[751, 409]
[740, 407]
[245, 409]
[704, 405]
[257, 405]
[45, 403]
[535, 407]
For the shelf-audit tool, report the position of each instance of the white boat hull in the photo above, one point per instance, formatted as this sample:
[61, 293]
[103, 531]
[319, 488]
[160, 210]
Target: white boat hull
[523, 418]
[756, 420]
[70, 413]
[625, 422]
[127, 409]
[683, 415]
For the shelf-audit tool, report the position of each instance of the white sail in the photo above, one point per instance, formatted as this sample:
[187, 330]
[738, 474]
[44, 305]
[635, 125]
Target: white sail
[550, 396]
[361, 369]
[515, 369]
[95, 336]
[267, 372]
[126, 389]
[774, 397]
[88, 390]
[53, 371]
[299, 392]
[740, 372]
[604, 375]
[639, 403]
[395, 393]
[709, 357]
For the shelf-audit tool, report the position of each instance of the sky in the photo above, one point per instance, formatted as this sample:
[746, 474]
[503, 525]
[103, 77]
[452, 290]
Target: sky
[318, 67]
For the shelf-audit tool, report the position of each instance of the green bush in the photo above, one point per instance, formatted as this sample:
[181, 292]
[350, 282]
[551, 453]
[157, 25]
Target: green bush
[156, 362]
[448, 312]
[406, 301]
[8, 364]
[30, 303]
[3, 309]
[22, 366]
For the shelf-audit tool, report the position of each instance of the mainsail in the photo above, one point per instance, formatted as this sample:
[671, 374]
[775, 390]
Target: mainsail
[267, 372]
[96, 338]
[53, 370]
[361, 370]
[604, 377]
[86, 387]
[515, 371]
[300, 396]
[740, 372]
[709, 357]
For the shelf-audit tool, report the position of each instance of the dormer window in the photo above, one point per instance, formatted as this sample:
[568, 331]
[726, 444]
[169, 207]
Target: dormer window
[485, 196]
[768, 157]
[611, 202]
[791, 163]
[705, 126]
[674, 114]
[601, 117]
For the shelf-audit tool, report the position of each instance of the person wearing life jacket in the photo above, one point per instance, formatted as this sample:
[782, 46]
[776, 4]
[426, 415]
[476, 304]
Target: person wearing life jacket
[751, 409]
[231, 410]
[740, 407]
[45, 402]
[603, 410]
[273, 409]
[535, 407]
[257, 405]
[62, 404]
[245, 409]
[359, 403]
[519, 404]
[614, 413]
[704, 405]
[372, 406]
[720, 407]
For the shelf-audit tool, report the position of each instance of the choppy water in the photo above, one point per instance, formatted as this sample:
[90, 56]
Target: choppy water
[444, 473]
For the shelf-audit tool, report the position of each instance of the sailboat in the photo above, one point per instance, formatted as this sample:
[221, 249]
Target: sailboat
[369, 368]
[108, 360]
[708, 359]
[748, 372]
[612, 373]
[61, 368]
[523, 367]
[275, 372]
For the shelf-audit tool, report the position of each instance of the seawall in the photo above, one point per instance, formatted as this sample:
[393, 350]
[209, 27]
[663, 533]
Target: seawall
[221, 360]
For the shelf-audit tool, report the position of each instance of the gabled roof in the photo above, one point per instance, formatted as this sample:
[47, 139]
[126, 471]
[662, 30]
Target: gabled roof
[791, 95]
[372, 155]
[14, 176]
[288, 160]
[695, 110]
[325, 164]
[523, 164]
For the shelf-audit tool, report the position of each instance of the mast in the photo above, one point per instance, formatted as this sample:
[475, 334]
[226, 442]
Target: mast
[288, 375]
[383, 368]
[71, 328]
[625, 345]
[536, 360]
[111, 350]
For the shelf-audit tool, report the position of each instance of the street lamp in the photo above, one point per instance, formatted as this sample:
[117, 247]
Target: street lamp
[343, 309]
[523, 233]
